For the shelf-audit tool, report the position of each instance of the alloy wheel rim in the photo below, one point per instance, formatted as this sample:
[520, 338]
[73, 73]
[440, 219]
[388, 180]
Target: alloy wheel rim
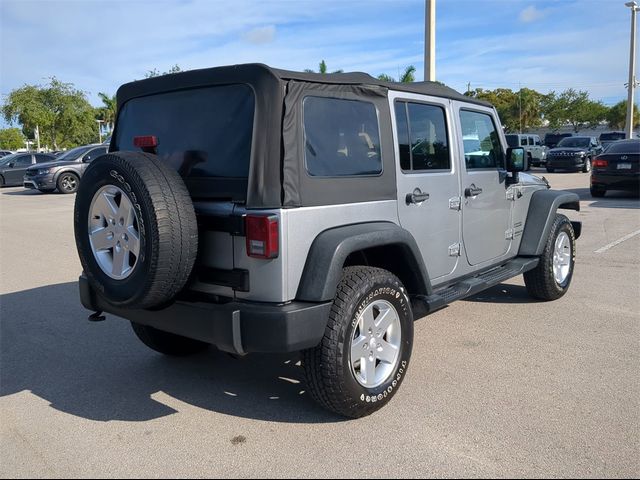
[562, 258]
[375, 344]
[113, 232]
[69, 183]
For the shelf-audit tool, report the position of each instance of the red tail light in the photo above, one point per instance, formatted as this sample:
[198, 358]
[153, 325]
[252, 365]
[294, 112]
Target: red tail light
[600, 163]
[262, 236]
[145, 141]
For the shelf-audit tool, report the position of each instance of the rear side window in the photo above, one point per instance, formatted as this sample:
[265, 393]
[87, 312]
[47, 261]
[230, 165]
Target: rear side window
[341, 137]
[202, 132]
[482, 147]
[424, 128]
[43, 158]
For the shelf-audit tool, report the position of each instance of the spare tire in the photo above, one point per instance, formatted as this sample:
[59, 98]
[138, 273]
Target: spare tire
[136, 229]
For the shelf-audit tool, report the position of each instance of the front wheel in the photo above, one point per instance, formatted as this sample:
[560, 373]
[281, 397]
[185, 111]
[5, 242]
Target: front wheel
[586, 168]
[68, 183]
[364, 354]
[550, 280]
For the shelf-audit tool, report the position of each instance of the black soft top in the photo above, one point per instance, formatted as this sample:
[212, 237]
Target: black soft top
[263, 75]
[276, 177]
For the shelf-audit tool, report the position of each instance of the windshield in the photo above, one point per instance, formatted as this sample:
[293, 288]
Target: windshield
[8, 158]
[73, 154]
[512, 140]
[579, 142]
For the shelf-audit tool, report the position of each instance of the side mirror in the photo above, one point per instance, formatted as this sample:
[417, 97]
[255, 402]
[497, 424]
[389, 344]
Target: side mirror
[86, 159]
[11, 164]
[516, 160]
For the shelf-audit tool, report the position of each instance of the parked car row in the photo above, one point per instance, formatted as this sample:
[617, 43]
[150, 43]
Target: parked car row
[617, 168]
[47, 172]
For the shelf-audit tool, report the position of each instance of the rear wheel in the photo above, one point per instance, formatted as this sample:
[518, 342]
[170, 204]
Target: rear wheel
[167, 343]
[550, 280]
[597, 192]
[68, 183]
[365, 352]
[550, 170]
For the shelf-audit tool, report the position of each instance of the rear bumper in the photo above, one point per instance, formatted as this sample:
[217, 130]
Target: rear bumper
[235, 327]
[616, 181]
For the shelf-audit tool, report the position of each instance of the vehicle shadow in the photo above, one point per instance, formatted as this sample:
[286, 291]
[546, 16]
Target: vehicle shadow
[503, 293]
[613, 199]
[100, 371]
[26, 191]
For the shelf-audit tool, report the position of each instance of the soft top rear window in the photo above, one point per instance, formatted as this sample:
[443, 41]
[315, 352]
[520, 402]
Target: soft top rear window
[201, 132]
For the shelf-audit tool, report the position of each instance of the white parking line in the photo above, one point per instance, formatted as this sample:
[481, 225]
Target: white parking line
[618, 242]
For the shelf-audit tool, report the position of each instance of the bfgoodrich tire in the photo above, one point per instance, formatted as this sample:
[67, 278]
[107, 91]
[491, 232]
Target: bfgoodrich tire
[550, 280]
[167, 343]
[363, 357]
[135, 229]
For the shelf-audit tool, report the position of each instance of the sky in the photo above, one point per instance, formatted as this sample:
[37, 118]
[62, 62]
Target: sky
[98, 45]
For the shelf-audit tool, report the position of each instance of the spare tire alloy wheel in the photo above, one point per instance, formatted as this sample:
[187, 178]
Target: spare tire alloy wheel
[135, 229]
[114, 232]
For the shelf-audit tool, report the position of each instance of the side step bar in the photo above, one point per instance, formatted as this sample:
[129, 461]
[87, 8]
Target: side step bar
[425, 304]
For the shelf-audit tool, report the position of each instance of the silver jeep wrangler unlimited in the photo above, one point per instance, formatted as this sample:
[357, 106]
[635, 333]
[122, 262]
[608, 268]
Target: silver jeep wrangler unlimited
[261, 210]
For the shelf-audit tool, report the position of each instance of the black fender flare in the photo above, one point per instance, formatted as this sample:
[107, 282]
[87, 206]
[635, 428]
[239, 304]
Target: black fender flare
[542, 211]
[330, 249]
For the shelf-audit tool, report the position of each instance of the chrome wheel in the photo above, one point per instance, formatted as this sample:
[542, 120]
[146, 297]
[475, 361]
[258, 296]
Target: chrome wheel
[375, 344]
[562, 258]
[114, 233]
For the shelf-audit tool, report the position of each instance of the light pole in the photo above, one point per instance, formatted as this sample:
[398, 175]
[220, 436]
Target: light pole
[430, 40]
[632, 69]
[100, 122]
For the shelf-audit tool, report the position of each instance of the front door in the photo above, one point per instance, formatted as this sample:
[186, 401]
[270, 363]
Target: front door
[16, 174]
[428, 184]
[486, 211]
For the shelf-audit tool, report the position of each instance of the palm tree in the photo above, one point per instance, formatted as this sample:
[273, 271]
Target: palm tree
[322, 68]
[108, 111]
[407, 77]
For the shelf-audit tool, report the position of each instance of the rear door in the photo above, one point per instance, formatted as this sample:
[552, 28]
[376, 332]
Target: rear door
[427, 176]
[486, 211]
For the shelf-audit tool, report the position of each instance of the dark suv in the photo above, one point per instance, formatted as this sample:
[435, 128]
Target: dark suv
[573, 153]
[262, 210]
[65, 171]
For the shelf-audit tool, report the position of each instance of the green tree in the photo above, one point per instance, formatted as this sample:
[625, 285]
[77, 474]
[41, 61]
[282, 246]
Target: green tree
[11, 139]
[617, 116]
[407, 76]
[573, 108]
[506, 102]
[322, 68]
[108, 111]
[61, 112]
[155, 73]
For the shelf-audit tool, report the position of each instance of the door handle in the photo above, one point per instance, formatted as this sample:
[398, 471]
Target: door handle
[472, 191]
[417, 196]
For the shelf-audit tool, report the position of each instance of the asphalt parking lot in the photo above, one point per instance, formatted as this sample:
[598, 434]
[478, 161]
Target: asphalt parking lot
[499, 385]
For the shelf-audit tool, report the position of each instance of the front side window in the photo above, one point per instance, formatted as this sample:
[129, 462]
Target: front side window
[424, 128]
[482, 147]
[93, 154]
[341, 137]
